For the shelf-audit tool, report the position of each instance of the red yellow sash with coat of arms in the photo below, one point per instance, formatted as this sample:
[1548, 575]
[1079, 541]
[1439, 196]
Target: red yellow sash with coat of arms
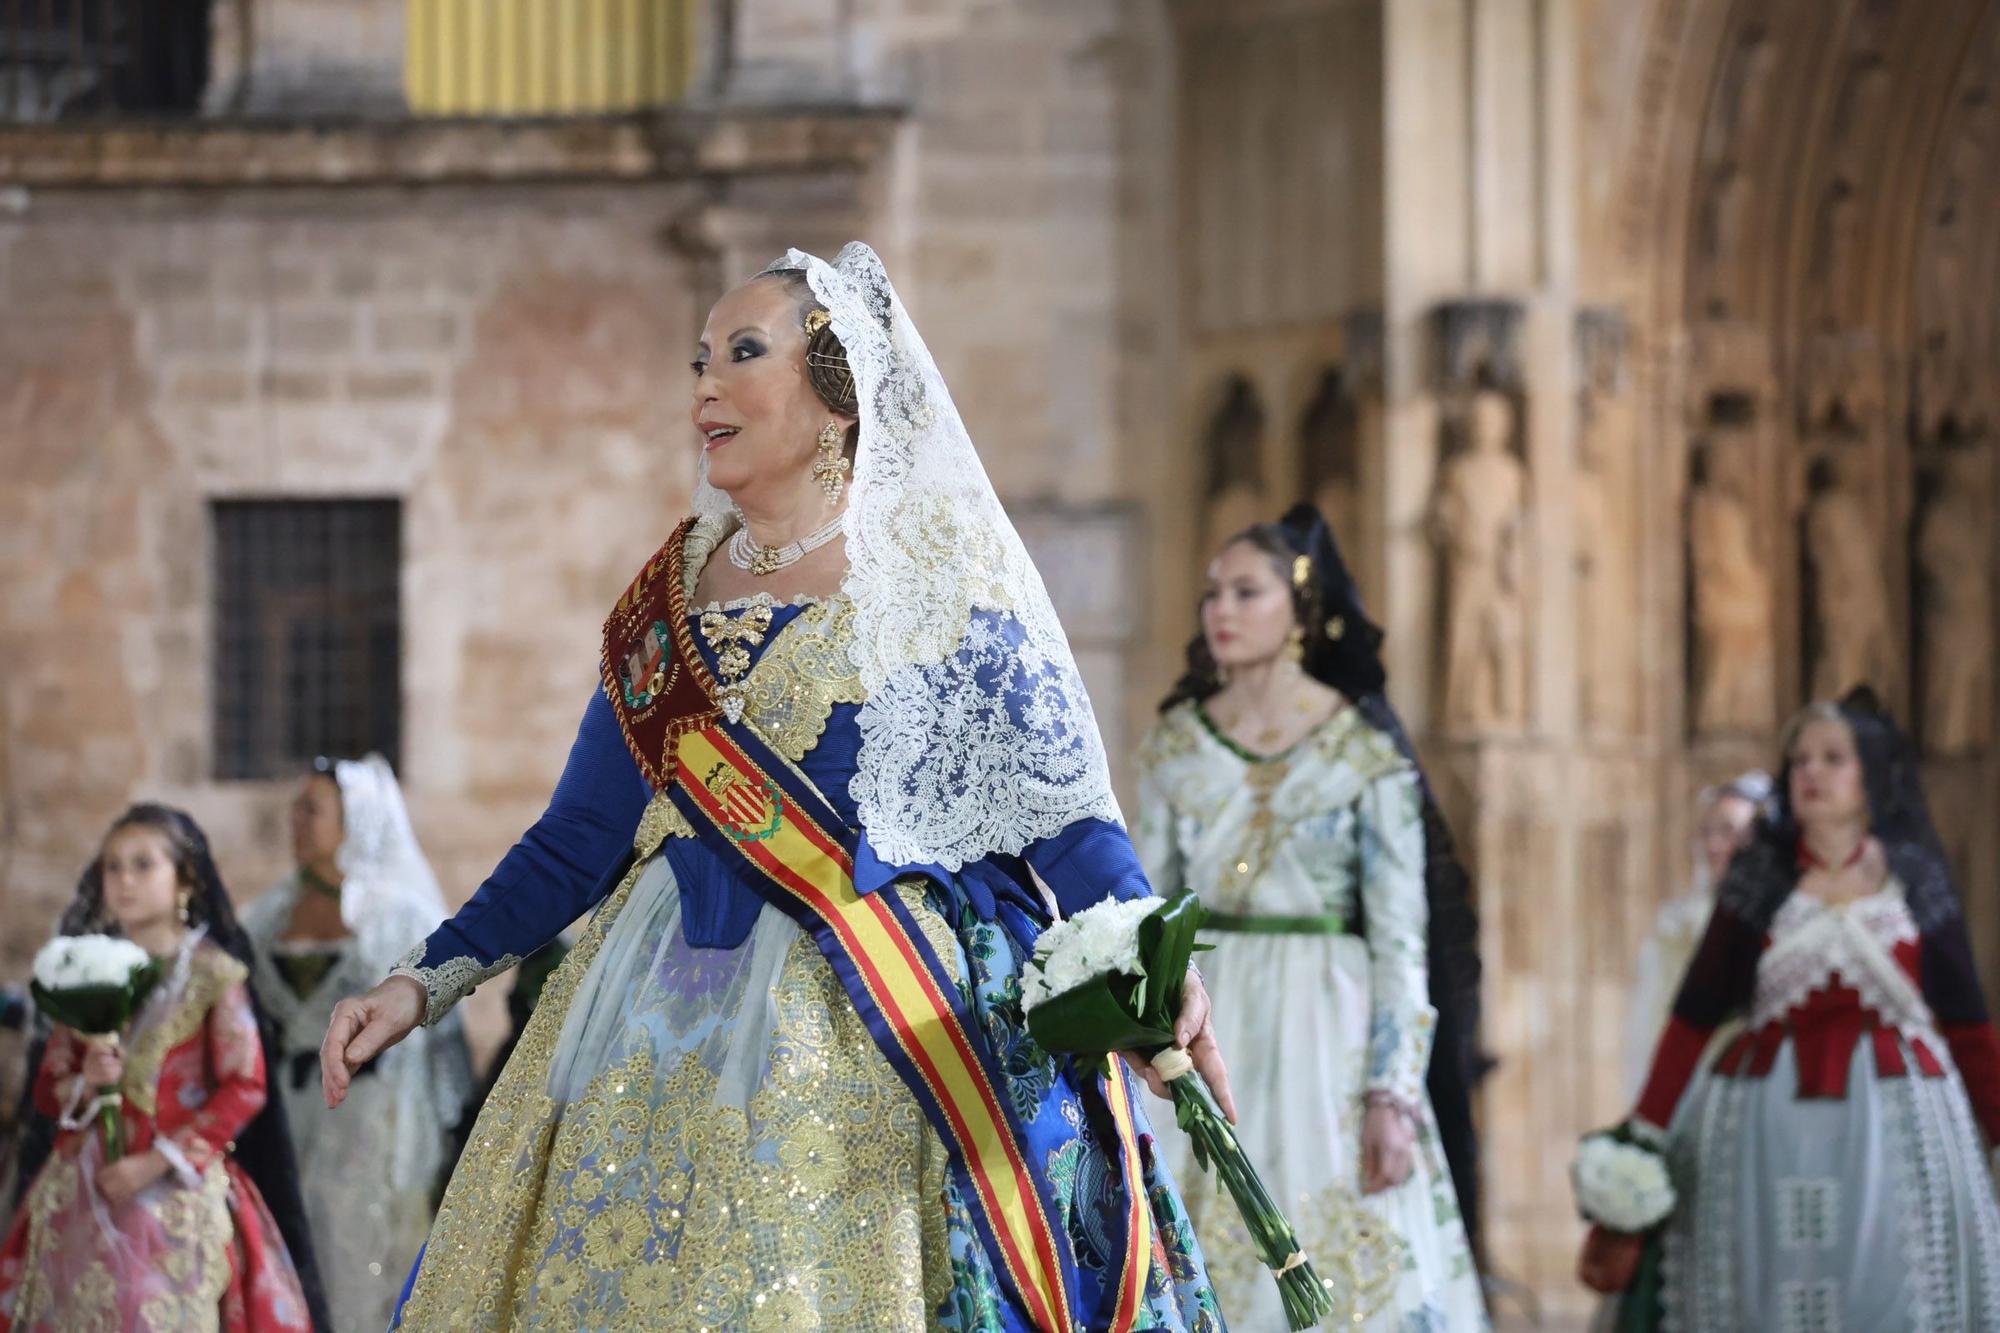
[743, 799]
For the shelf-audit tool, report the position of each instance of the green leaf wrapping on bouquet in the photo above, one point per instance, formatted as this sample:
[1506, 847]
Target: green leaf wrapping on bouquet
[1095, 1018]
[1137, 1013]
[1640, 1306]
[1167, 941]
[97, 1011]
[101, 1011]
[1123, 1013]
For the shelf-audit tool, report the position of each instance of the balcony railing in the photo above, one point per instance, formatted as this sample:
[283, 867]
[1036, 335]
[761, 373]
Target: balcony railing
[82, 59]
[548, 57]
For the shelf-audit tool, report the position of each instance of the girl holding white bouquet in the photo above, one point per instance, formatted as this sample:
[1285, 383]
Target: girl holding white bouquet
[150, 1211]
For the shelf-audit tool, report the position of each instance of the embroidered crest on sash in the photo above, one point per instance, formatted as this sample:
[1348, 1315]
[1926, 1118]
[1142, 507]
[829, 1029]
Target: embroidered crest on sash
[653, 674]
[751, 810]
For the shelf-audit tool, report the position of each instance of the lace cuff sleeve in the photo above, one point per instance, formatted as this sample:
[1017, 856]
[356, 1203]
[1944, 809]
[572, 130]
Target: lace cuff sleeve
[562, 867]
[446, 981]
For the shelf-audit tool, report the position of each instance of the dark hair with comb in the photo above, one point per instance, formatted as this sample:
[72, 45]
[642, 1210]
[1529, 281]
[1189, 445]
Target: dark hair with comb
[1764, 873]
[827, 368]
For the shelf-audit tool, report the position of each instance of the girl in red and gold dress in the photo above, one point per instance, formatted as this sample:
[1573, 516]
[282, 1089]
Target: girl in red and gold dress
[176, 1235]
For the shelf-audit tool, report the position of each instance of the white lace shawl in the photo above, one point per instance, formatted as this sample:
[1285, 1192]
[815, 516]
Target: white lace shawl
[389, 896]
[976, 736]
[389, 901]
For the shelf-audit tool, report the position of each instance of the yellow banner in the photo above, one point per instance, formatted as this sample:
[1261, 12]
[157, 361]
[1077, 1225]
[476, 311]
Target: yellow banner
[547, 57]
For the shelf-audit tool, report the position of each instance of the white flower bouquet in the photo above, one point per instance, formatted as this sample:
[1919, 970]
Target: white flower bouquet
[94, 984]
[1110, 979]
[1621, 1183]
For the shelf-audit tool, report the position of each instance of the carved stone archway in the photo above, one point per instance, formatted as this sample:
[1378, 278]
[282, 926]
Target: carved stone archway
[1803, 248]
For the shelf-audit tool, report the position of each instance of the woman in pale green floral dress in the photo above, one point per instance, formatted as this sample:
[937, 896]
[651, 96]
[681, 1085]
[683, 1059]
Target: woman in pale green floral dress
[1292, 809]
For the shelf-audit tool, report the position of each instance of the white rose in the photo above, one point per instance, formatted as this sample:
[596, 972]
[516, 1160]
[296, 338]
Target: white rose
[1097, 941]
[71, 961]
[1621, 1186]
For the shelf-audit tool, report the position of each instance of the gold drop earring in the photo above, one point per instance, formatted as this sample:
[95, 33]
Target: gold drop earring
[830, 468]
[186, 902]
[1295, 646]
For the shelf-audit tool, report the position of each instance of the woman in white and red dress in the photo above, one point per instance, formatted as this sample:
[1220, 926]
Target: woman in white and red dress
[1831, 1161]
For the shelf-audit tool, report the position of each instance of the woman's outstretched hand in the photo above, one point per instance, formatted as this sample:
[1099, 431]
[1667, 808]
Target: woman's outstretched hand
[1194, 1034]
[363, 1027]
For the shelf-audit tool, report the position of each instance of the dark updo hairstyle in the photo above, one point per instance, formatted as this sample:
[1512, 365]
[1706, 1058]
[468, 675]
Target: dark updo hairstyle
[1341, 645]
[186, 846]
[827, 369]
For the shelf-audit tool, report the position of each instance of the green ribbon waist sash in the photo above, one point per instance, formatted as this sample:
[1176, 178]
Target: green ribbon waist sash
[1263, 923]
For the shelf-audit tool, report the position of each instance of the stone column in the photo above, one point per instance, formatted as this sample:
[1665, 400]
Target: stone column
[1480, 448]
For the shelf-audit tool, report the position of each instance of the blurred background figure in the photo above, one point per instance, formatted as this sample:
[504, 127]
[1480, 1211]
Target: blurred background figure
[361, 896]
[16, 1019]
[199, 1224]
[1279, 786]
[1831, 1159]
[1725, 816]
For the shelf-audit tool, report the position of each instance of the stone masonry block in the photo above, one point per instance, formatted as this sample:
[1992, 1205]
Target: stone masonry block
[203, 331]
[313, 330]
[211, 385]
[391, 385]
[356, 277]
[171, 282]
[299, 384]
[406, 330]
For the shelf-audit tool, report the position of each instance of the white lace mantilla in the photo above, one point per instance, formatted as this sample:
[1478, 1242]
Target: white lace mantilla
[976, 736]
[1814, 944]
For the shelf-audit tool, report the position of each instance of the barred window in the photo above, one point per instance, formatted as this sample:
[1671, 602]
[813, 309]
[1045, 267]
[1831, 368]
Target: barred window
[77, 59]
[308, 633]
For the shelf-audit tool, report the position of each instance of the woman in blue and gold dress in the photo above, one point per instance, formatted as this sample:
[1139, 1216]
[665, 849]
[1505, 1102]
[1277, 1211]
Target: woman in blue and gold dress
[783, 1081]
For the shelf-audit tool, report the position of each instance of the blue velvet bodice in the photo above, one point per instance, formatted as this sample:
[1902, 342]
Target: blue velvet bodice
[579, 849]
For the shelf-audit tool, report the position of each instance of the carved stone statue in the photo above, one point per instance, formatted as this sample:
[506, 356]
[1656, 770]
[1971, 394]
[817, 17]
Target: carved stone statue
[1477, 518]
[1954, 558]
[1233, 448]
[1603, 618]
[1329, 449]
[1735, 671]
[1851, 608]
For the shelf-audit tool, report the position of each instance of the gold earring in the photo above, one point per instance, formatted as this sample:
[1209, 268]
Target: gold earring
[830, 469]
[186, 903]
[1295, 645]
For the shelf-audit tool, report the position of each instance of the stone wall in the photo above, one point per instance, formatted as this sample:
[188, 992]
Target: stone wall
[508, 358]
[504, 362]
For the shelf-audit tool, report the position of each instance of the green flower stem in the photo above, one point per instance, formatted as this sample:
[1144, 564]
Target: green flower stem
[1304, 1294]
[111, 1114]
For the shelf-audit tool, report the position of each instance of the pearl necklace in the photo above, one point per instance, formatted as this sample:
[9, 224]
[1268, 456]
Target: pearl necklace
[745, 553]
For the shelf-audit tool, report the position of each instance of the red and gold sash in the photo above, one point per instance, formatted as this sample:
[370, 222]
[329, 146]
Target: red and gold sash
[743, 799]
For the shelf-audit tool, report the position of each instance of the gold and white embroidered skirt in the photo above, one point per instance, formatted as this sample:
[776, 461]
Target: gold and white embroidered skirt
[691, 1138]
